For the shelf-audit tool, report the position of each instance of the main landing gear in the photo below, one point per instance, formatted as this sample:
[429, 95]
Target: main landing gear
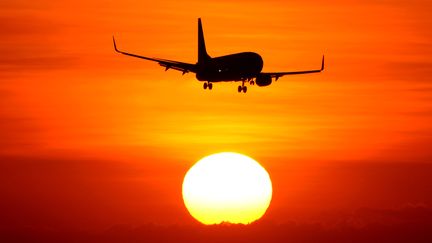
[242, 87]
[208, 84]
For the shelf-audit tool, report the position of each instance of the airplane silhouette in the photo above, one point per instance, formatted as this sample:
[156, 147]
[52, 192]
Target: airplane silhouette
[245, 66]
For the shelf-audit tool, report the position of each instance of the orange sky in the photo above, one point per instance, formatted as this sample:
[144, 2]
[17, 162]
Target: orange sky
[90, 138]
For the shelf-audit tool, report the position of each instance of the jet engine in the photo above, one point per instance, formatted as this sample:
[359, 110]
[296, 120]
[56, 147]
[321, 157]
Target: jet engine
[263, 80]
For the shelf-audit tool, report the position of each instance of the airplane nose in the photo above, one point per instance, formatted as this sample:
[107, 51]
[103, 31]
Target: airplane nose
[260, 62]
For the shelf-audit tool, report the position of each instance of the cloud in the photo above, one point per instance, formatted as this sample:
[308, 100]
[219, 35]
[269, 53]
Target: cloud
[410, 70]
[71, 191]
[410, 214]
[409, 224]
[18, 131]
[28, 44]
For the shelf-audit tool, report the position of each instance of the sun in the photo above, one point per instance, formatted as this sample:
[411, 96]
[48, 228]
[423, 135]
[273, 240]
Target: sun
[227, 187]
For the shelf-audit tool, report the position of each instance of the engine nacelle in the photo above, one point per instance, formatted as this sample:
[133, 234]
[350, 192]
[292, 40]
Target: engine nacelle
[263, 80]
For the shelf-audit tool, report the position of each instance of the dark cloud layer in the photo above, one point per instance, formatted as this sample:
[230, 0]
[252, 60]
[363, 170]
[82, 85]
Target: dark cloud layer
[408, 224]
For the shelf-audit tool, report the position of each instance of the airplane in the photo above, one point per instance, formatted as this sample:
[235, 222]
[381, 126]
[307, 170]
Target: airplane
[243, 67]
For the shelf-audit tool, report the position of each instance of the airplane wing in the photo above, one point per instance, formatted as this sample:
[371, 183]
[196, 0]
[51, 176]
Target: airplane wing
[168, 64]
[277, 75]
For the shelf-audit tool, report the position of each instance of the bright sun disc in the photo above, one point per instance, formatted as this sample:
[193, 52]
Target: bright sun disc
[227, 187]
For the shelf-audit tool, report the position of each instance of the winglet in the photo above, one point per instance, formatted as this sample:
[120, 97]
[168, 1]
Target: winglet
[115, 46]
[322, 63]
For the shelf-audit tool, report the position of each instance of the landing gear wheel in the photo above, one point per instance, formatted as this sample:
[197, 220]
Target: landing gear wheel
[244, 89]
[252, 82]
[239, 89]
[210, 86]
[205, 86]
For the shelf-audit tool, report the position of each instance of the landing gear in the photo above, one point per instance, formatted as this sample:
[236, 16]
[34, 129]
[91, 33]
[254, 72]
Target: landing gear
[242, 88]
[252, 82]
[209, 85]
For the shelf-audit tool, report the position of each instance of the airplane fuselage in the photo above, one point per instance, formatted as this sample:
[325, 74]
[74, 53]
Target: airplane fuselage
[238, 66]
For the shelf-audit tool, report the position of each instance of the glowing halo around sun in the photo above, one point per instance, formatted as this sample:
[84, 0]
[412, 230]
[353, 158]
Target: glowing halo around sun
[227, 187]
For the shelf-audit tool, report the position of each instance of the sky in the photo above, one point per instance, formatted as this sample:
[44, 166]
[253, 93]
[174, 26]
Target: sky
[93, 141]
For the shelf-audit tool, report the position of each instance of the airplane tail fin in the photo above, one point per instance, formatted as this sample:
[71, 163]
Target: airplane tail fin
[202, 52]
